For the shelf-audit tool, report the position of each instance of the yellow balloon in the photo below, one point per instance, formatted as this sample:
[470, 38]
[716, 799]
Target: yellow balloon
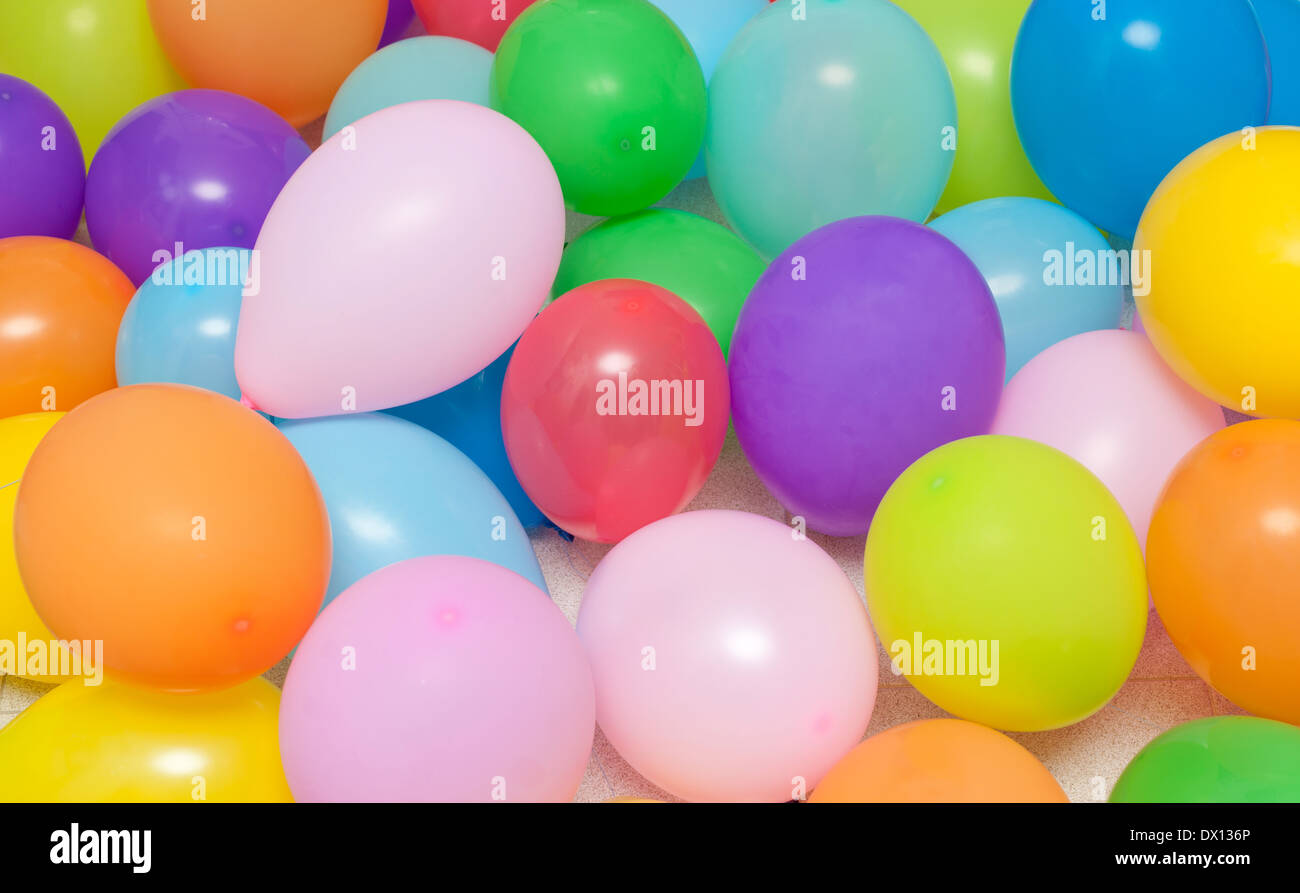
[19, 624]
[121, 744]
[97, 59]
[1223, 304]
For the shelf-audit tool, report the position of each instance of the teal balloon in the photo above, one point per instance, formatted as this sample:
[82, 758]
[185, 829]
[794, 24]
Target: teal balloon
[1045, 266]
[408, 71]
[395, 491]
[847, 111]
[180, 326]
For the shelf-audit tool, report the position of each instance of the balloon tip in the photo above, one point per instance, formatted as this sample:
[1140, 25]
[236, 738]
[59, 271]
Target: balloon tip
[245, 402]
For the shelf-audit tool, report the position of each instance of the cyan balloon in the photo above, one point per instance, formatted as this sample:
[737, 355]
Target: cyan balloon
[709, 25]
[1108, 98]
[1051, 272]
[180, 326]
[1280, 20]
[469, 417]
[408, 71]
[395, 491]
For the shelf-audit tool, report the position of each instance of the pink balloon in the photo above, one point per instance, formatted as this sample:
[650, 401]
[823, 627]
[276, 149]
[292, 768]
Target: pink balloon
[1108, 400]
[405, 255]
[440, 678]
[731, 658]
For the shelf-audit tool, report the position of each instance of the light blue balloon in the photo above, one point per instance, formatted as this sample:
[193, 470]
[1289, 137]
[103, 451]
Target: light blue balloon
[180, 326]
[1107, 107]
[709, 25]
[408, 71]
[395, 491]
[1280, 20]
[845, 112]
[1034, 255]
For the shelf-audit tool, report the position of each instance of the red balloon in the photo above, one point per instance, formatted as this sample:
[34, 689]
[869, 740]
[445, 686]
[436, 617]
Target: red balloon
[615, 406]
[482, 21]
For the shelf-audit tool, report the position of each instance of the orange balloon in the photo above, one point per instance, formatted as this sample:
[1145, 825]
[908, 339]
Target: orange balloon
[291, 55]
[177, 527]
[939, 761]
[1223, 562]
[60, 306]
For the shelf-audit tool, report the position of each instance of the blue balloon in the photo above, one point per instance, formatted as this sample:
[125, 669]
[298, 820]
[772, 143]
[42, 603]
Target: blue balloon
[180, 326]
[395, 491]
[709, 26]
[1050, 271]
[408, 71]
[1107, 107]
[1280, 20]
[469, 417]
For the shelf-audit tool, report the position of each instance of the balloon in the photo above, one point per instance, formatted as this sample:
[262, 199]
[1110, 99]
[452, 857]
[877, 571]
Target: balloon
[869, 342]
[180, 326]
[1050, 271]
[458, 681]
[939, 761]
[468, 417]
[1006, 584]
[733, 659]
[704, 264]
[60, 305]
[116, 743]
[194, 169]
[290, 55]
[444, 235]
[424, 498]
[42, 174]
[400, 14]
[177, 527]
[1224, 564]
[480, 21]
[871, 84]
[19, 436]
[614, 408]
[1185, 78]
[1280, 22]
[976, 40]
[709, 27]
[1106, 400]
[411, 70]
[613, 93]
[1222, 309]
[1218, 759]
[97, 59]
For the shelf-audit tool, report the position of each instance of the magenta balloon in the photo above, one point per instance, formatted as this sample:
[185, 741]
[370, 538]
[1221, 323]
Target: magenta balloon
[440, 678]
[868, 343]
[733, 659]
[198, 167]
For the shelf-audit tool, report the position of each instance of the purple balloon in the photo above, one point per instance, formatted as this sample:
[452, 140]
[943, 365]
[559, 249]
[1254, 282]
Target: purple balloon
[868, 343]
[196, 167]
[400, 13]
[42, 170]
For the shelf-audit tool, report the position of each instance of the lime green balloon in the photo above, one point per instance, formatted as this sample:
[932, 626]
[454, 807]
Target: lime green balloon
[1010, 551]
[613, 93]
[97, 59]
[706, 265]
[976, 40]
[1220, 759]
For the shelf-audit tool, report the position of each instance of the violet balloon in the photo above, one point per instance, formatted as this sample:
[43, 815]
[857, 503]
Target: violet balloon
[42, 172]
[866, 344]
[400, 13]
[199, 168]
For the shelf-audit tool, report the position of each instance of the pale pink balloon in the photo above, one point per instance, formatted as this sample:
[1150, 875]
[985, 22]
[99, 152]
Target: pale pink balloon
[405, 255]
[440, 678]
[1108, 400]
[734, 661]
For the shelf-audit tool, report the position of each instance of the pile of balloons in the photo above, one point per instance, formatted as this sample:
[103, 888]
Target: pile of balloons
[292, 401]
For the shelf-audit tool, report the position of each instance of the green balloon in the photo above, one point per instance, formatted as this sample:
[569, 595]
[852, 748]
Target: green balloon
[1221, 759]
[613, 93]
[706, 265]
